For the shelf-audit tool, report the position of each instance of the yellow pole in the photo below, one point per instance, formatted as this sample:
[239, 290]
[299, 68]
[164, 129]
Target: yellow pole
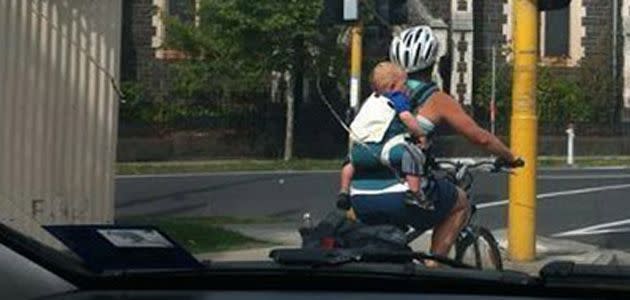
[355, 67]
[523, 135]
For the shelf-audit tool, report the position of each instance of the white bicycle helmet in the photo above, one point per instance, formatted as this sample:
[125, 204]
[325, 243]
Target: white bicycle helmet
[414, 49]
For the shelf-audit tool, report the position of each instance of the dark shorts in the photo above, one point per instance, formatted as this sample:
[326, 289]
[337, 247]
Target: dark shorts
[389, 208]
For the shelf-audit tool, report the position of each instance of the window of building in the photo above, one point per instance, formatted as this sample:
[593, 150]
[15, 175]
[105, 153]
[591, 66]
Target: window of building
[556, 34]
[560, 35]
[184, 10]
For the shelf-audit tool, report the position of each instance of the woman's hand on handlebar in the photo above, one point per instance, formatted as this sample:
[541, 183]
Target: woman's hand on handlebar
[517, 162]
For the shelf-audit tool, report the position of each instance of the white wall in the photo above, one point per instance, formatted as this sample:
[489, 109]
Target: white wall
[58, 111]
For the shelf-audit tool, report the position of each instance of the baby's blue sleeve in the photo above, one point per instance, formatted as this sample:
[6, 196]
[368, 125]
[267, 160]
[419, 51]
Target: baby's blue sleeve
[399, 101]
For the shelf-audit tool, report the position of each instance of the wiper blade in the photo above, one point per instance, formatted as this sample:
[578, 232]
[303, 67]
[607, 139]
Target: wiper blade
[323, 257]
[563, 273]
[313, 257]
[568, 269]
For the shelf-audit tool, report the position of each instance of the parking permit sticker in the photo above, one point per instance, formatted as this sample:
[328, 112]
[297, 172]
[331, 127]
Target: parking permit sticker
[135, 238]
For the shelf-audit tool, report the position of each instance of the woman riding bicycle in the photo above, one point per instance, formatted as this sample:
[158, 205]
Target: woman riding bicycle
[376, 196]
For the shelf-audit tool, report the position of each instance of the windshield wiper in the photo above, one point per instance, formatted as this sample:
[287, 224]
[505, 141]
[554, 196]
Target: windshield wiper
[327, 257]
[566, 273]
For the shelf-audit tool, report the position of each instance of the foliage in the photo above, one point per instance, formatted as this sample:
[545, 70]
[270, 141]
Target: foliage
[129, 109]
[238, 43]
[164, 115]
[561, 100]
[577, 94]
[483, 93]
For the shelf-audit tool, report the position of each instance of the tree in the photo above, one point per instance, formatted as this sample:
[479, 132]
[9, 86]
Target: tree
[238, 44]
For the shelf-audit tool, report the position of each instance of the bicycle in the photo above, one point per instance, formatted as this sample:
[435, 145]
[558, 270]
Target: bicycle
[475, 244]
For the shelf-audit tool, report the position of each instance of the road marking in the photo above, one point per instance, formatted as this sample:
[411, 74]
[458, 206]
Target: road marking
[602, 228]
[600, 168]
[590, 176]
[561, 193]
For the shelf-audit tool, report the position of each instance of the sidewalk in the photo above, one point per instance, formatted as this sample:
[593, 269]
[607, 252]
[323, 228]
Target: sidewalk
[548, 249]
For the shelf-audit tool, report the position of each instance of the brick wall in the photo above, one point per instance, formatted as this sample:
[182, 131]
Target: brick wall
[598, 26]
[138, 59]
[139, 63]
[439, 9]
[488, 21]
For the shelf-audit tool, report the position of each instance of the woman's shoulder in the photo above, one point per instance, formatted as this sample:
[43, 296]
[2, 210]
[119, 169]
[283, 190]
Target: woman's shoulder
[439, 106]
[443, 100]
[441, 95]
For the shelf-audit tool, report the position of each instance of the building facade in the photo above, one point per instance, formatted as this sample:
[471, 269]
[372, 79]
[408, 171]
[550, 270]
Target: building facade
[58, 112]
[586, 30]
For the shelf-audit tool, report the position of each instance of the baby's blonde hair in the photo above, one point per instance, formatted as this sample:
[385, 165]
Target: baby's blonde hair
[385, 76]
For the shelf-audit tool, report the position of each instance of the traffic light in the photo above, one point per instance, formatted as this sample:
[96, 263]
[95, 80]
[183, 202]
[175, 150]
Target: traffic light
[332, 13]
[552, 4]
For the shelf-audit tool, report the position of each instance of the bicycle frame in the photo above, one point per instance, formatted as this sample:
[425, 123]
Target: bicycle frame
[460, 176]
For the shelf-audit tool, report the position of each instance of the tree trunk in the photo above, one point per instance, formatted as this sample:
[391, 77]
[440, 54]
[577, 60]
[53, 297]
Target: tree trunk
[290, 99]
[276, 78]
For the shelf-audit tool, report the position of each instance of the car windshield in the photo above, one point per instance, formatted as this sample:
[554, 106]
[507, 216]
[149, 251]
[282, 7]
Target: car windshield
[473, 133]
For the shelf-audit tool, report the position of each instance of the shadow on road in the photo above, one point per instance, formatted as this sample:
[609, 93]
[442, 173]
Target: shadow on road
[185, 193]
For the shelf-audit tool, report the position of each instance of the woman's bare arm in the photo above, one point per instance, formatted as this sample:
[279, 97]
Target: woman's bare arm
[452, 112]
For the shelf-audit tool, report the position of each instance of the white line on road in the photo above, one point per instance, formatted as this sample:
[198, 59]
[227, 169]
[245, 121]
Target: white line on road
[602, 228]
[561, 193]
[589, 176]
[282, 172]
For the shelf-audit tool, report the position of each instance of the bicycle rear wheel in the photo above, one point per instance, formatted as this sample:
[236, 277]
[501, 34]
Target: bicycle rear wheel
[478, 247]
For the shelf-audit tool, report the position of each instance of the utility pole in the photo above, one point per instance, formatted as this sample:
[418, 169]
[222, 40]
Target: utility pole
[290, 98]
[351, 13]
[524, 131]
[615, 35]
[493, 97]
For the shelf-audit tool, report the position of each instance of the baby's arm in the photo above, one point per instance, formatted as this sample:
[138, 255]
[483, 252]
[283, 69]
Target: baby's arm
[412, 124]
[400, 102]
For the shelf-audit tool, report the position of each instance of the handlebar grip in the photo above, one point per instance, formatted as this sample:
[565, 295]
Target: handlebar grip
[503, 163]
[518, 163]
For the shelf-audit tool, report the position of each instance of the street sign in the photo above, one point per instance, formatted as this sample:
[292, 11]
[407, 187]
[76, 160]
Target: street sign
[350, 10]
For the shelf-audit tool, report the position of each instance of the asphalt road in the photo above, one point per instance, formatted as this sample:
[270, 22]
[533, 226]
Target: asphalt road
[590, 205]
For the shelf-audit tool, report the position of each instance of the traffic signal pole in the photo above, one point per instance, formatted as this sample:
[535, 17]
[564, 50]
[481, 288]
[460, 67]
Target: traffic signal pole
[523, 134]
[355, 66]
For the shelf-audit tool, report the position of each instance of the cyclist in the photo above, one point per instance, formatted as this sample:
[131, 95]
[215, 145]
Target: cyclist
[415, 50]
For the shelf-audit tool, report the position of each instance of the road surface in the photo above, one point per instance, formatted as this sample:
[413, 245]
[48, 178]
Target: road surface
[589, 205]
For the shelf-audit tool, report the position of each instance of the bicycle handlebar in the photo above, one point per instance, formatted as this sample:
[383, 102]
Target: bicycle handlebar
[469, 166]
[461, 169]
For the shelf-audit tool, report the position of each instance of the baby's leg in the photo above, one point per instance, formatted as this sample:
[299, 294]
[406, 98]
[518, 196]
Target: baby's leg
[413, 181]
[343, 198]
[412, 167]
[346, 177]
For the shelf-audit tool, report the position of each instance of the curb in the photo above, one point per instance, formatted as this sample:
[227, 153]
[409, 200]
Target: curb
[553, 249]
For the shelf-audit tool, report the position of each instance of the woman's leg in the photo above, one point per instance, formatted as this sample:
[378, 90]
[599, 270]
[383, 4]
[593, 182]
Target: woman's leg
[445, 233]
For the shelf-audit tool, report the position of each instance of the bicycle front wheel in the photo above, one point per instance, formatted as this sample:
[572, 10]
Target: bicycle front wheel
[477, 247]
